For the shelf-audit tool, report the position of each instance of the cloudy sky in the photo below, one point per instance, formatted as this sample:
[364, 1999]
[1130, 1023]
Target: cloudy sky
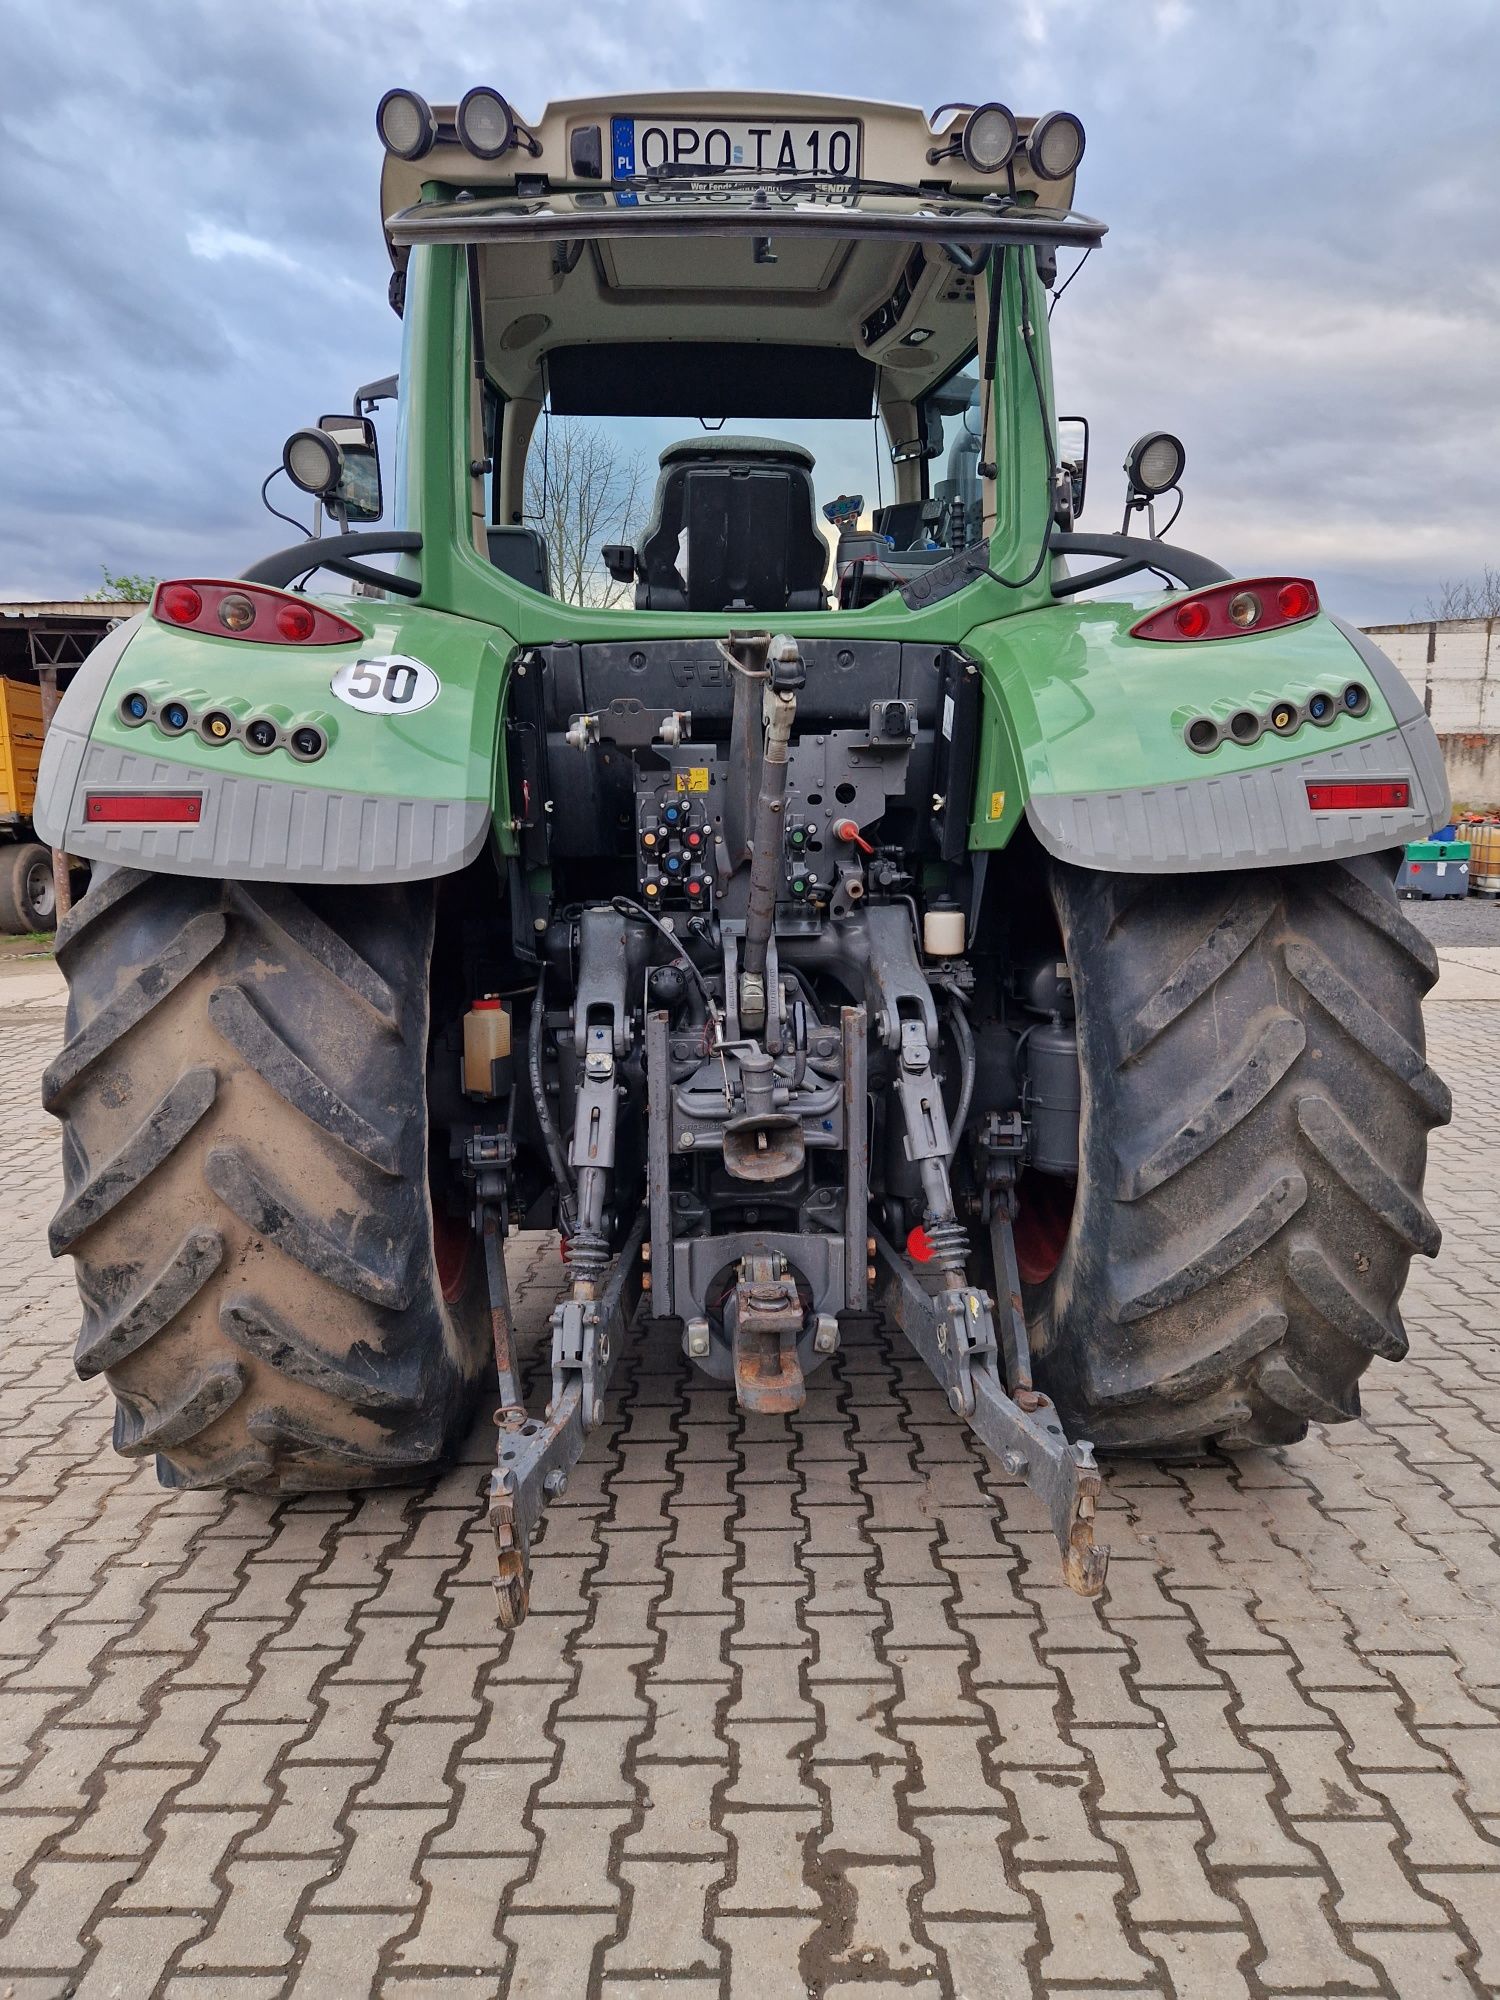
[1302, 275]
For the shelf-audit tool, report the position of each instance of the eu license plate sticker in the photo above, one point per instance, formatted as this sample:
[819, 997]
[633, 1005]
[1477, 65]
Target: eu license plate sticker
[702, 148]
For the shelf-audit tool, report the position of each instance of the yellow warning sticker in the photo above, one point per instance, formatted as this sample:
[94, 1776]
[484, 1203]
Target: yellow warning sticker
[693, 779]
[997, 805]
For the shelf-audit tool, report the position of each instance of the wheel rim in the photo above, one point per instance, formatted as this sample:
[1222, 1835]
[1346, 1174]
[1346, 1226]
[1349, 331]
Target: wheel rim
[41, 890]
[1044, 1221]
[452, 1243]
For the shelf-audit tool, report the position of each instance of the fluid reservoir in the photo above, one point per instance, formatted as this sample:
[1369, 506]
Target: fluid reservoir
[486, 1042]
[1052, 1097]
[943, 929]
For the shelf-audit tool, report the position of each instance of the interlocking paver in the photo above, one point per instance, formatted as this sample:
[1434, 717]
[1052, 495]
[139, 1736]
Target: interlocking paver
[801, 1708]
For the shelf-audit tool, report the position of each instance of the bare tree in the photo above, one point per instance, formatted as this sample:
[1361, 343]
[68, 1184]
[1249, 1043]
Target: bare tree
[581, 493]
[1470, 598]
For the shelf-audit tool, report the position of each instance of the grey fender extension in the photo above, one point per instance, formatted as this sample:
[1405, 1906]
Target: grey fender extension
[1247, 819]
[253, 829]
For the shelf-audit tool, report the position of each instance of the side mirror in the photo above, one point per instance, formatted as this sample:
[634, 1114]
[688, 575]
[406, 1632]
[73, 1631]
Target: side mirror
[356, 496]
[1073, 467]
[338, 462]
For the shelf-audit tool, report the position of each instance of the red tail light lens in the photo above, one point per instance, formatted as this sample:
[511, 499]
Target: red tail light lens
[295, 623]
[251, 611]
[178, 603]
[1232, 610]
[1362, 796]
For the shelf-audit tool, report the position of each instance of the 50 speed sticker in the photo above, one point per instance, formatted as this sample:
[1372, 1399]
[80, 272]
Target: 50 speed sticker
[387, 684]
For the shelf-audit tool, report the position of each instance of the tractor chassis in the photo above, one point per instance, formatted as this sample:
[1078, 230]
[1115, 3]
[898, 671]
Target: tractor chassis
[761, 1082]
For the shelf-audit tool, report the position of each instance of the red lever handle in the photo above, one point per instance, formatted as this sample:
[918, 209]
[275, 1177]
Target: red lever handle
[846, 829]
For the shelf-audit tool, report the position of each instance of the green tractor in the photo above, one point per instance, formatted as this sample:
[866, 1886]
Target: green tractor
[814, 910]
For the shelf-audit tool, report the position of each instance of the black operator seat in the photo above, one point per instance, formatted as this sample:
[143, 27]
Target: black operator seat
[745, 506]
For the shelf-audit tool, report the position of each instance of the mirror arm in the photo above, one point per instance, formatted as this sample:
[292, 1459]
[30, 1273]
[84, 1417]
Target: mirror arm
[337, 552]
[1133, 552]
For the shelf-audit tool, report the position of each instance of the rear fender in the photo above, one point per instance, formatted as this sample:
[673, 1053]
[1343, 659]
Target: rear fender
[1088, 724]
[395, 797]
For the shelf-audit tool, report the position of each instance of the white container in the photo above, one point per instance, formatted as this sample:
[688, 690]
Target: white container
[943, 933]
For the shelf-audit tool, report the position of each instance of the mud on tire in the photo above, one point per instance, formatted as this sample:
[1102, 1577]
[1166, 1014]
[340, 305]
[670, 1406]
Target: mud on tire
[245, 1151]
[1256, 1108]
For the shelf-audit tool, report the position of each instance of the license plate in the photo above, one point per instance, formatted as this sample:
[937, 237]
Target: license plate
[700, 148]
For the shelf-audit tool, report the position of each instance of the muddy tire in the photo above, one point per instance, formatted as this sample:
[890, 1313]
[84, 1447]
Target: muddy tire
[1256, 1103]
[245, 1153]
[28, 894]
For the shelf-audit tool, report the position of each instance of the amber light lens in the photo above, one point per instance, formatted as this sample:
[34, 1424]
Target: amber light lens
[236, 612]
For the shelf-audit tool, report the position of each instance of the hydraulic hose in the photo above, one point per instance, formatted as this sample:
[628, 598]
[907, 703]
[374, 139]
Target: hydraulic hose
[963, 1034]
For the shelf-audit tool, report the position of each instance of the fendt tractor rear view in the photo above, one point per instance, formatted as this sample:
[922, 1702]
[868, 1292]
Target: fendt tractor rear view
[820, 905]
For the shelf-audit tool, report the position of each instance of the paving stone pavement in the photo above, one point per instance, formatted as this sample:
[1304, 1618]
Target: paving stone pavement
[801, 1705]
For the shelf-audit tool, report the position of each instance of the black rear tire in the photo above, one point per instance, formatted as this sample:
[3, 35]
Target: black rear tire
[28, 894]
[1256, 1103]
[245, 1152]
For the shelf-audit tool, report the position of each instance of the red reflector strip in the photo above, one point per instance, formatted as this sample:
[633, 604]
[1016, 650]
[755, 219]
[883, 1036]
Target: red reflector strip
[1357, 797]
[137, 807]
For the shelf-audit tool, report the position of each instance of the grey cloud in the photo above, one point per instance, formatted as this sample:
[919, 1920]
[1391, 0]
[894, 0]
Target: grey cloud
[1299, 275]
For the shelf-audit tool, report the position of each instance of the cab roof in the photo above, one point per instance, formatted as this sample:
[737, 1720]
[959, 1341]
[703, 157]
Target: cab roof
[895, 142]
[876, 266]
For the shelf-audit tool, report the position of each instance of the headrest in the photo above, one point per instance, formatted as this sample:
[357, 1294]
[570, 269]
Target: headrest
[715, 444]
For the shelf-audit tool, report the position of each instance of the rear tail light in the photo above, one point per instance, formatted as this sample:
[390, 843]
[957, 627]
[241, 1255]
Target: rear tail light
[251, 611]
[1230, 610]
[140, 808]
[1358, 796]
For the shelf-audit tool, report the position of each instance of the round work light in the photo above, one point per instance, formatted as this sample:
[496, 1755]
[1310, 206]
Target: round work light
[989, 138]
[1155, 462]
[1055, 146]
[313, 461]
[406, 124]
[486, 124]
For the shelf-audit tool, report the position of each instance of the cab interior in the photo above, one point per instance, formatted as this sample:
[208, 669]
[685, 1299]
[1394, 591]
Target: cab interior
[734, 336]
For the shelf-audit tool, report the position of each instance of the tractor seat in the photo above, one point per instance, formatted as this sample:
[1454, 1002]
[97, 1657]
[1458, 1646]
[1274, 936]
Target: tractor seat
[745, 506]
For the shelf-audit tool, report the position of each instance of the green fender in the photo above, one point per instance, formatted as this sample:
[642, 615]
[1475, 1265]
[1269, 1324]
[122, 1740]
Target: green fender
[1085, 732]
[393, 797]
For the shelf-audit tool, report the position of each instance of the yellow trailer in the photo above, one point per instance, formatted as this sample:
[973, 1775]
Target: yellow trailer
[28, 894]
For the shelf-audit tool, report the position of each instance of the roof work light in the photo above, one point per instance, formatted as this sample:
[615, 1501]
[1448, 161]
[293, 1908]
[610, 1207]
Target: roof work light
[989, 138]
[1055, 145]
[406, 123]
[487, 127]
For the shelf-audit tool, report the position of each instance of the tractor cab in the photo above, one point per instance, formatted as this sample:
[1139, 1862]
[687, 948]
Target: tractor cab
[800, 319]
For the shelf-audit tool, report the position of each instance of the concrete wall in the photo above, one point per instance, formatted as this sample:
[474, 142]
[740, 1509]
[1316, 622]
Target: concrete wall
[1455, 666]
